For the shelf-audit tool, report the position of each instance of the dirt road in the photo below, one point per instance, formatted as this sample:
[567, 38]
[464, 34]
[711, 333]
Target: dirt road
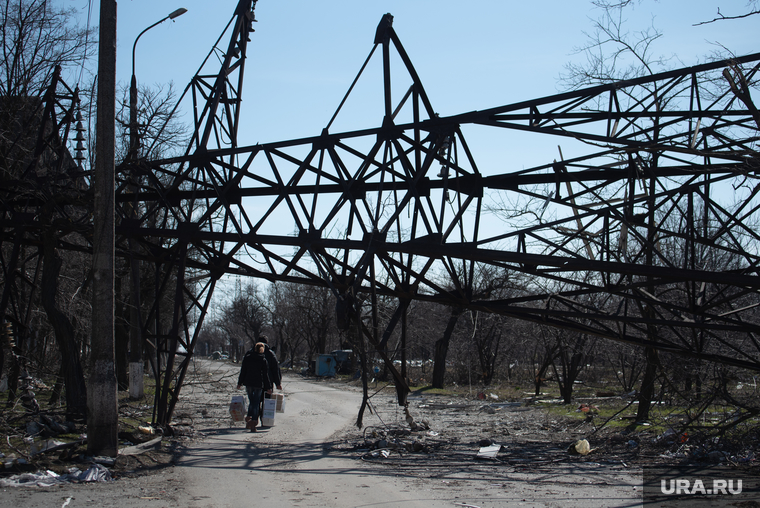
[292, 463]
[306, 460]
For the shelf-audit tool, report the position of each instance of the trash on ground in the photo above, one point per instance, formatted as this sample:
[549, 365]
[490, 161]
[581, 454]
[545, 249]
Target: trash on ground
[580, 447]
[489, 452]
[41, 446]
[96, 473]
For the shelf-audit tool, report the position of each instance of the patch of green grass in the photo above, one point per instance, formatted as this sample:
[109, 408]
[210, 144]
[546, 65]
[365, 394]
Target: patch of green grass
[620, 414]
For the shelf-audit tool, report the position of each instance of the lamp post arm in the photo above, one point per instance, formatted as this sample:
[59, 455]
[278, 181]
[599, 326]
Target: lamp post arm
[134, 46]
[133, 135]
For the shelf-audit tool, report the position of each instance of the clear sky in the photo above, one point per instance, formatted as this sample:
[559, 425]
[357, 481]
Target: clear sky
[469, 55]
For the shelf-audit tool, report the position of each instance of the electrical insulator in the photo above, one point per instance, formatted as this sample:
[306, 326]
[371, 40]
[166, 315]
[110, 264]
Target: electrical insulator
[79, 138]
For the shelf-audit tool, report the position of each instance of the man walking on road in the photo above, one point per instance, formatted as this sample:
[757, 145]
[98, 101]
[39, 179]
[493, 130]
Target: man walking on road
[254, 375]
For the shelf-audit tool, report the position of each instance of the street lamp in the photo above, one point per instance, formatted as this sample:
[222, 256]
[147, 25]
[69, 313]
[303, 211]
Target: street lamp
[133, 137]
[135, 356]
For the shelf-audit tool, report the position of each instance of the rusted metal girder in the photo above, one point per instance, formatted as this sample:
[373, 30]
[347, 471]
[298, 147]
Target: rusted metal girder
[635, 232]
[398, 209]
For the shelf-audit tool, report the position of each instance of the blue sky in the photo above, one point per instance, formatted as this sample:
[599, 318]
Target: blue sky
[469, 56]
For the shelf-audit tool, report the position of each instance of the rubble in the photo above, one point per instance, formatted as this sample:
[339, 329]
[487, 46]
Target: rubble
[95, 473]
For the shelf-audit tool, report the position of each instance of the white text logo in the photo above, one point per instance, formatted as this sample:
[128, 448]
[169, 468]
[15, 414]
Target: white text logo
[678, 487]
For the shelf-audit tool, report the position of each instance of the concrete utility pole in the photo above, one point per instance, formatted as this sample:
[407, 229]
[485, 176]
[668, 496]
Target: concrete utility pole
[102, 405]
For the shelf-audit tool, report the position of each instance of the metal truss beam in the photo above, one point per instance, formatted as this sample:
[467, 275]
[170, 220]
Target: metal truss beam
[646, 235]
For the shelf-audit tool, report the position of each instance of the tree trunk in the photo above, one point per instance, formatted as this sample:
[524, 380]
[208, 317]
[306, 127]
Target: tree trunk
[13, 374]
[364, 367]
[570, 371]
[646, 394]
[550, 353]
[442, 349]
[55, 395]
[76, 391]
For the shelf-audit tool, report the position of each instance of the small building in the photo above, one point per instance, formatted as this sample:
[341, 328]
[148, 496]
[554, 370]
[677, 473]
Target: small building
[325, 365]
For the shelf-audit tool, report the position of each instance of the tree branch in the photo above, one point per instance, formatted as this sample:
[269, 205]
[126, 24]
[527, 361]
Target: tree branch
[721, 17]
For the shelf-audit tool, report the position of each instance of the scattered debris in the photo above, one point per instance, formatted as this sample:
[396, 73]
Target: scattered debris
[96, 473]
[48, 427]
[580, 447]
[670, 437]
[414, 426]
[47, 444]
[488, 452]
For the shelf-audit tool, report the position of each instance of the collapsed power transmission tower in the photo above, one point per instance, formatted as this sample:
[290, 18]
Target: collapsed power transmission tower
[646, 235]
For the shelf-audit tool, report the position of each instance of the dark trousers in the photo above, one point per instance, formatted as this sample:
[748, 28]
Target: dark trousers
[254, 401]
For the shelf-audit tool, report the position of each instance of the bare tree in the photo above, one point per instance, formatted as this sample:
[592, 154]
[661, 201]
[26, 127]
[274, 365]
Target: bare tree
[612, 52]
[442, 348]
[37, 37]
[302, 319]
[160, 131]
[242, 319]
[39, 42]
[544, 353]
[571, 355]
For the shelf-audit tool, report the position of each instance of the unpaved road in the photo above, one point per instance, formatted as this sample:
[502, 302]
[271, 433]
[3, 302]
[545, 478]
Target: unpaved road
[303, 461]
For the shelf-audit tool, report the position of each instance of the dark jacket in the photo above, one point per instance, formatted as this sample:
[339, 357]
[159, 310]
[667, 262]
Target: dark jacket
[275, 376]
[254, 371]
